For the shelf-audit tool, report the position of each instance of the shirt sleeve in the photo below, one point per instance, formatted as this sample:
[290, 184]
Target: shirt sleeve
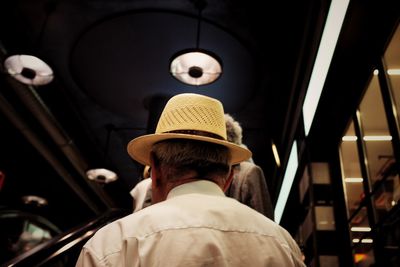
[88, 259]
[109, 248]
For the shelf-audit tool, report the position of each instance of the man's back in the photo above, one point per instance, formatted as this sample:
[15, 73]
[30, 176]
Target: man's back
[196, 226]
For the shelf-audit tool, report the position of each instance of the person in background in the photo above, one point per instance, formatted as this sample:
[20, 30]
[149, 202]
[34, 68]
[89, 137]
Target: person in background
[247, 186]
[141, 193]
[191, 222]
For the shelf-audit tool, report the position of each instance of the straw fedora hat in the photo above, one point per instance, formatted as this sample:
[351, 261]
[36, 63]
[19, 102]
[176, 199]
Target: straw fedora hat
[188, 116]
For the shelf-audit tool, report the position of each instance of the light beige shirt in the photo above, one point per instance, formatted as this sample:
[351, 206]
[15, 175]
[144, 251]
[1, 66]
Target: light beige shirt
[196, 226]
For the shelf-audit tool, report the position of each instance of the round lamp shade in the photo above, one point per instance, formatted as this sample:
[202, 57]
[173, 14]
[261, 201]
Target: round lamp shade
[28, 69]
[196, 67]
[101, 175]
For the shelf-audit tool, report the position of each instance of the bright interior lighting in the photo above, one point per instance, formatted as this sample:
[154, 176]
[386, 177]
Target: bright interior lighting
[276, 155]
[360, 229]
[195, 68]
[367, 138]
[349, 138]
[377, 138]
[101, 175]
[376, 72]
[367, 240]
[28, 69]
[288, 178]
[353, 180]
[356, 240]
[393, 71]
[330, 35]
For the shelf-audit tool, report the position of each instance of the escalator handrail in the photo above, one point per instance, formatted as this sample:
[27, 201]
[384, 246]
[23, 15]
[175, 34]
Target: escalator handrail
[67, 240]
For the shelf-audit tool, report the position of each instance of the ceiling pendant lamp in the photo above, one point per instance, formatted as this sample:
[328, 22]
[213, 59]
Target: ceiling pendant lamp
[196, 66]
[28, 69]
[101, 175]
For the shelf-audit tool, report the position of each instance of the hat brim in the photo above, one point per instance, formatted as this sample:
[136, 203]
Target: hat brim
[140, 147]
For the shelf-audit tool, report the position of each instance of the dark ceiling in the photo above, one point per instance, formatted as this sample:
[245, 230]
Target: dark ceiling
[110, 60]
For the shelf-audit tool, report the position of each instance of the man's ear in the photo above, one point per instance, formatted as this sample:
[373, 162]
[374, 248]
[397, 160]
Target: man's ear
[229, 180]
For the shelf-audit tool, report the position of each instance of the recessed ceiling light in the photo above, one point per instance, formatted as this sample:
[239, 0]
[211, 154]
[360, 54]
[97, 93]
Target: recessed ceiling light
[353, 180]
[349, 138]
[377, 138]
[28, 69]
[393, 71]
[360, 229]
[367, 240]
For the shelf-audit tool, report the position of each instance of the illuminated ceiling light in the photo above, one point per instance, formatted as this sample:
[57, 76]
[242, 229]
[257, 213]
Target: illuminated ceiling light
[102, 176]
[288, 179]
[276, 155]
[353, 180]
[356, 240]
[28, 69]
[33, 200]
[367, 241]
[330, 35]
[349, 138]
[196, 66]
[368, 138]
[377, 138]
[360, 229]
[393, 71]
[376, 71]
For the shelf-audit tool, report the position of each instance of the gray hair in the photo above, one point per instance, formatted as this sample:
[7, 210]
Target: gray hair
[233, 130]
[177, 157]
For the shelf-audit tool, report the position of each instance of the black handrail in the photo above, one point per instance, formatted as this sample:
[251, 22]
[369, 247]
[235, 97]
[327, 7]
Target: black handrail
[60, 245]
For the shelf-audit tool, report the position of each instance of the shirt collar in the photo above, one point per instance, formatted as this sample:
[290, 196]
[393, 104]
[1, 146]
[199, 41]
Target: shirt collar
[199, 187]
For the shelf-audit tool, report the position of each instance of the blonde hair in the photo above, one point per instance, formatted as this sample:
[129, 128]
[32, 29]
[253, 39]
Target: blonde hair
[233, 130]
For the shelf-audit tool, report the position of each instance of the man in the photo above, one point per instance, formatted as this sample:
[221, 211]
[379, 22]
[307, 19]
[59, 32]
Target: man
[191, 221]
[248, 184]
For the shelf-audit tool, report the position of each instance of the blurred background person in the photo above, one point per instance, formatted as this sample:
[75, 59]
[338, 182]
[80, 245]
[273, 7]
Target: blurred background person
[248, 184]
[141, 193]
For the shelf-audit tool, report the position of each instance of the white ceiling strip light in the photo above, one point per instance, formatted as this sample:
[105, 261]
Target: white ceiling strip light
[347, 138]
[330, 35]
[393, 71]
[290, 173]
[377, 138]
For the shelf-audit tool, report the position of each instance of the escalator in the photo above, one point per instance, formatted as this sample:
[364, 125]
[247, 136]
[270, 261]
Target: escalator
[39, 244]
